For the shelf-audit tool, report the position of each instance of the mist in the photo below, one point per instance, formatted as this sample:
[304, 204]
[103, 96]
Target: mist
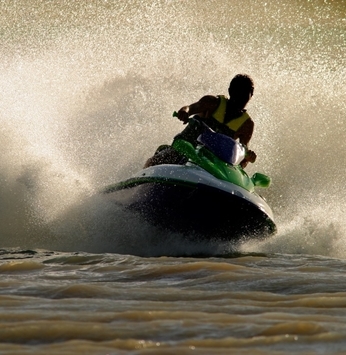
[88, 91]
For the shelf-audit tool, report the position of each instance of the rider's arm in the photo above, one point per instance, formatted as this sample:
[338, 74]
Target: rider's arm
[244, 134]
[204, 107]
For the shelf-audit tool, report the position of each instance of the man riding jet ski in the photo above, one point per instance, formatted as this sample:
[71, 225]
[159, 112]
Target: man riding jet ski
[197, 185]
[224, 115]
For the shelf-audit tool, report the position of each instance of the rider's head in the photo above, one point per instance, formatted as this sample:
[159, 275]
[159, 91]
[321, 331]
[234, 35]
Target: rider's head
[241, 90]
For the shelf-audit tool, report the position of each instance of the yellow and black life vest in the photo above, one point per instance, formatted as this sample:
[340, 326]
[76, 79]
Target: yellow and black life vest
[220, 113]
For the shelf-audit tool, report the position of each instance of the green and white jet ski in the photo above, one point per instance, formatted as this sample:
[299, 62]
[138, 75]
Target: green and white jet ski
[208, 197]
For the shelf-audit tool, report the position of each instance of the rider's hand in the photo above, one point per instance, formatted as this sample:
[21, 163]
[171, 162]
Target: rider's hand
[250, 156]
[183, 116]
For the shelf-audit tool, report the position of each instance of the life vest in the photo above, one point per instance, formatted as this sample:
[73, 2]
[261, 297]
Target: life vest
[220, 112]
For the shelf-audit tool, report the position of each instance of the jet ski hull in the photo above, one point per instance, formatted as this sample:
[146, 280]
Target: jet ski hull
[190, 201]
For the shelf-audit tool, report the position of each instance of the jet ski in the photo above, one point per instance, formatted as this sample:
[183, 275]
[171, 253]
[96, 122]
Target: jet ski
[207, 197]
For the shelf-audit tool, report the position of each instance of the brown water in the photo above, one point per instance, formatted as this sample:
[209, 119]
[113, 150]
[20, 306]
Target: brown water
[87, 94]
[78, 303]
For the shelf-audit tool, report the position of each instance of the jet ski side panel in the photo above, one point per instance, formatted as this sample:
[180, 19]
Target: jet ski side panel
[195, 209]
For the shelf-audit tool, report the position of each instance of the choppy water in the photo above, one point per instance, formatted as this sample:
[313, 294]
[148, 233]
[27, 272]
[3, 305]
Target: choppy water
[79, 303]
[87, 92]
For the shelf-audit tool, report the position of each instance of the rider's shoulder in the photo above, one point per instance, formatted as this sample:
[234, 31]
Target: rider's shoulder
[210, 100]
